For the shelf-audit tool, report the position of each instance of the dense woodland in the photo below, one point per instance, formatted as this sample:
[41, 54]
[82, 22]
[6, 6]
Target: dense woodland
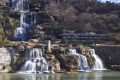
[80, 16]
[84, 16]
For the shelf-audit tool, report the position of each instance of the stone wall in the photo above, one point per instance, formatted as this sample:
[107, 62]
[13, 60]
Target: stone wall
[6, 57]
[109, 54]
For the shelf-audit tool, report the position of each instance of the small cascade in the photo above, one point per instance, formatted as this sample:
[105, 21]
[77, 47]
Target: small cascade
[83, 63]
[23, 7]
[20, 34]
[35, 62]
[98, 62]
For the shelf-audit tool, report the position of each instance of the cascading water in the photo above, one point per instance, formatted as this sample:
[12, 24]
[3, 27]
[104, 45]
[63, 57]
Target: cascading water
[35, 62]
[83, 63]
[23, 7]
[98, 62]
[20, 34]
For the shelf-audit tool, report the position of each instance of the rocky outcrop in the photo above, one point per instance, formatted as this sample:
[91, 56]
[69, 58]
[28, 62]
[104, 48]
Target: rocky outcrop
[17, 63]
[53, 62]
[37, 5]
[91, 60]
[6, 59]
[68, 62]
[37, 33]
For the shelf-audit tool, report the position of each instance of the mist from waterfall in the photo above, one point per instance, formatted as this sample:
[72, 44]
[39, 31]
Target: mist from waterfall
[83, 63]
[21, 31]
[35, 62]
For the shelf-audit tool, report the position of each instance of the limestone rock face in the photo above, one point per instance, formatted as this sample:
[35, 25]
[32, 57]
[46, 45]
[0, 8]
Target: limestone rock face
[68, 62]
[18, 61]
[52, 61]
[6, 58]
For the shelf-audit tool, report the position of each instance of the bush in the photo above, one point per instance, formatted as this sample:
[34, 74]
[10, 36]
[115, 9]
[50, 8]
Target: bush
[114, 37]
[68, 53]
[82, 48]
[1, 17]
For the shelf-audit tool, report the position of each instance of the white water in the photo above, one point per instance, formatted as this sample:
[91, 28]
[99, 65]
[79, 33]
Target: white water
[35, 62]
[20, 34]
[23, 7]
[83, 63]
[98, 62]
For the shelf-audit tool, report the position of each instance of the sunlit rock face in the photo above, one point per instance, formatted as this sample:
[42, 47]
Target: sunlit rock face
[68, 62]
[53, 61]
[6, 58]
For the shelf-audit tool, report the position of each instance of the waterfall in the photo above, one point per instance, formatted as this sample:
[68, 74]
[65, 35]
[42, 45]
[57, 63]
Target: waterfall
[35, 62]
[20, 34]
[23, 7]
[83, 63]
[98, 62]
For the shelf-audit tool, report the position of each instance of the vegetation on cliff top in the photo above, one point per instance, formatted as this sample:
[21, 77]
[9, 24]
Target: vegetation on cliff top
[81, 16]
[7, 25]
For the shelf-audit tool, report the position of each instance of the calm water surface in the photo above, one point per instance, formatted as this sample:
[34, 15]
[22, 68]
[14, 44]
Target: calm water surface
[94, 75]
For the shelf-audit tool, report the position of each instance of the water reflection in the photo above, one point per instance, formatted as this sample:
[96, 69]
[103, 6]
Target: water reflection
[30, 76]
[95, 75]
[98, 75]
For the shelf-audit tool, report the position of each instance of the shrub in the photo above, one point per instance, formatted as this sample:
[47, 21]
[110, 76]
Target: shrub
[68, 53]
[1, 17]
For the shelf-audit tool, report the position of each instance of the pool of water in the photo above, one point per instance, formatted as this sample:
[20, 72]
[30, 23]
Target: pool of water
[93, 75]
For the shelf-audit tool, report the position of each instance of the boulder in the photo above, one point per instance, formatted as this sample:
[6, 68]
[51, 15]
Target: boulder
[68, 62]
[53, 62]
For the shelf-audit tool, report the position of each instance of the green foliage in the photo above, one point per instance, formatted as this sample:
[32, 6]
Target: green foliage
[114, 37]
[7, 26]
[84, 16]
[3, 40]
[91, 60]
[82, 48]
[1, 17]
[68, 53]
[87, 48]
[65, 41]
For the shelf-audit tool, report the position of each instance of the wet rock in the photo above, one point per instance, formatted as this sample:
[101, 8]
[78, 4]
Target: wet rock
[17, 63]
[91, 60]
